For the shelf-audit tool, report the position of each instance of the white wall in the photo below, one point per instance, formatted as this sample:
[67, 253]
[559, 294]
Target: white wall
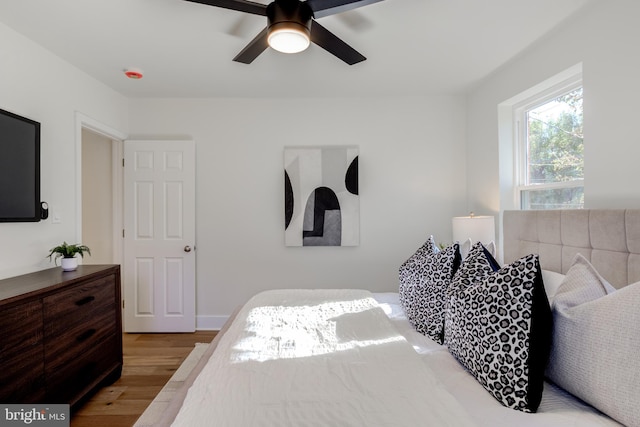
[97, 197]
[36, 84]
[605, 37]
[411, 184]
[413, 172]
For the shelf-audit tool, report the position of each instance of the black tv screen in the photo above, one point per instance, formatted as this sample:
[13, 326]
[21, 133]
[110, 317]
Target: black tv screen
[19, 168]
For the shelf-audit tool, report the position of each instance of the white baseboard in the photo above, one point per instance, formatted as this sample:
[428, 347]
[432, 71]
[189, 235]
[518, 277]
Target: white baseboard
[210, 323]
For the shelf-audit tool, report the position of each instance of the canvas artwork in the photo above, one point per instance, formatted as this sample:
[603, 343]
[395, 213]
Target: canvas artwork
[322, 206]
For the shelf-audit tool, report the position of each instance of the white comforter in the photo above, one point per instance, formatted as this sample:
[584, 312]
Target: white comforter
[317, 358]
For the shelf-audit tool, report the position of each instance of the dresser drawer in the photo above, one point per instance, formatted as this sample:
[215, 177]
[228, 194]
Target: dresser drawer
[66, 381]
[21, 347]
[76, 341]
[78, 305]
[20, 328]
[60, 334]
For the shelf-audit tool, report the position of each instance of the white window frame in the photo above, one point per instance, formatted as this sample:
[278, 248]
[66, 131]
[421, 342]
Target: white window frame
[512, 135]
[520, 140]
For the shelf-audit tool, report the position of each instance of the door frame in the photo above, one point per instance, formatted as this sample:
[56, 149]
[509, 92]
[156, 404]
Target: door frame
[117, 137]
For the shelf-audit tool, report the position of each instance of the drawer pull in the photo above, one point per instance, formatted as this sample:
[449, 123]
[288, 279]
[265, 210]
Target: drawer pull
[85, 300]
[86, 335]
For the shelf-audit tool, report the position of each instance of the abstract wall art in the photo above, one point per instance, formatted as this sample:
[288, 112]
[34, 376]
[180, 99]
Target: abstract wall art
[321, 201]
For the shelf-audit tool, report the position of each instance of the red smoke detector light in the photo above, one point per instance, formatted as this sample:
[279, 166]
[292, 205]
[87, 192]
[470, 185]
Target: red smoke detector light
[133, 74]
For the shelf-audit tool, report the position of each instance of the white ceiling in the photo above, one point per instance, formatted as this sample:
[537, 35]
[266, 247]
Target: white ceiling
[186, 49]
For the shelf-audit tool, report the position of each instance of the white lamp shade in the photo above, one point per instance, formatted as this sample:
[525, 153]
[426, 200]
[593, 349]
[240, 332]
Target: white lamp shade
[477, 228]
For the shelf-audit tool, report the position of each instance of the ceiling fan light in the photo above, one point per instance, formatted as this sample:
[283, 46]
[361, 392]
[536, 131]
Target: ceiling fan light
[288, 37]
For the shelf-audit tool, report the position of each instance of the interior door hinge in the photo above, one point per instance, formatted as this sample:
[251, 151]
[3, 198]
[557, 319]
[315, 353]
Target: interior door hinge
[123, 233]
[122, 304]
[123, 162]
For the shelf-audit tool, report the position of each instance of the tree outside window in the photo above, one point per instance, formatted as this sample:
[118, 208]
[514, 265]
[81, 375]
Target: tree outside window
[552, 153]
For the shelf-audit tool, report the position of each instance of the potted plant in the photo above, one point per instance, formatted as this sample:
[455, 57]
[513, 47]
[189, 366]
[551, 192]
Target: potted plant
[68, 254]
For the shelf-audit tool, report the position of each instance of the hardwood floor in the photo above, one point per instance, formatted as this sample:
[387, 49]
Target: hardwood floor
[149, 361]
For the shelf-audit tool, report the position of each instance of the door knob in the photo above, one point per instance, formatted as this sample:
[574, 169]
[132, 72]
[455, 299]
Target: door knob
[187, 248]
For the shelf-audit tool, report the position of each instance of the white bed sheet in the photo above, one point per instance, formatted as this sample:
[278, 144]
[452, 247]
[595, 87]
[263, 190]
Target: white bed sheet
[558, 408]
[316, 358]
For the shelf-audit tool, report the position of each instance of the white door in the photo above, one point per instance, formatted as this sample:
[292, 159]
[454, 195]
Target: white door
[159, 236]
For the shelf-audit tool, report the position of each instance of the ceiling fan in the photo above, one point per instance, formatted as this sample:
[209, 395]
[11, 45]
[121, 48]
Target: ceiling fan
[292, 26]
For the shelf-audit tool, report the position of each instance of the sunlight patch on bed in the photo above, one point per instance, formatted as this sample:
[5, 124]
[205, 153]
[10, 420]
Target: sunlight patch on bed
[286, 332]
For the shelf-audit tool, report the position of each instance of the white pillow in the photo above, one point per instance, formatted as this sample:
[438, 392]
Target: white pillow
[466, 246]
[552, 282]
[596, 342]
[491, 247]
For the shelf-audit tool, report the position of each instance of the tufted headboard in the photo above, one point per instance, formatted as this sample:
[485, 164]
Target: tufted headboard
[609, 238]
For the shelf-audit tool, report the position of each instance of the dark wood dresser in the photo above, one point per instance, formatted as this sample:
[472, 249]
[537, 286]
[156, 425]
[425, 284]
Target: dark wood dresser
[60, 334]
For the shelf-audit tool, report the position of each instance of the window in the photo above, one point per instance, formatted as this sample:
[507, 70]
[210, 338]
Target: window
[550, 150]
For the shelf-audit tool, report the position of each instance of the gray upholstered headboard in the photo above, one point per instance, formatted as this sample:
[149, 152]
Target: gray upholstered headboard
[609, 238]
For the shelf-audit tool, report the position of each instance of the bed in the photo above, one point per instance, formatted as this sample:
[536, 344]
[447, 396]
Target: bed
[348, 357]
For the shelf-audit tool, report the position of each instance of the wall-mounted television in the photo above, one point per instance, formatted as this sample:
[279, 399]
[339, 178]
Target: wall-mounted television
[19, 168]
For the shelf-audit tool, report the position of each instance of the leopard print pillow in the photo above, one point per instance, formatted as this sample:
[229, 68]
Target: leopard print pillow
[476, 266]
[411, 272]
[425, 297]
[503, 332]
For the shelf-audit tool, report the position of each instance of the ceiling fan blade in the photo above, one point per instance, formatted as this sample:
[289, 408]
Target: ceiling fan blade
[254, 48]
[239, 5]
[323, 8]
[332, 44]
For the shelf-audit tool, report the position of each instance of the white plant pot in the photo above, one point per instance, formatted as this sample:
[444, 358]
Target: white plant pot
[69, 264]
